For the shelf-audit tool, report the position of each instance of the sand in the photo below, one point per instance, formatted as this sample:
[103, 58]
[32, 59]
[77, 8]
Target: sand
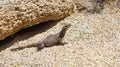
[93, 41]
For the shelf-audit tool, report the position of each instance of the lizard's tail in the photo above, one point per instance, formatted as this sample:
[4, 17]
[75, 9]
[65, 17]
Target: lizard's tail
[28, 46]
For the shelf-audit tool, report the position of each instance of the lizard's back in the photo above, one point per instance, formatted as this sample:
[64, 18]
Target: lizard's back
[51, 39]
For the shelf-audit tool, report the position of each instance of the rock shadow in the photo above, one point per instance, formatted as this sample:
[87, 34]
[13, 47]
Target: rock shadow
[26, 34]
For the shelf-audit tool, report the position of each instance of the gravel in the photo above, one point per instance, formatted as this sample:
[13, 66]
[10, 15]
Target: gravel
[93, 41]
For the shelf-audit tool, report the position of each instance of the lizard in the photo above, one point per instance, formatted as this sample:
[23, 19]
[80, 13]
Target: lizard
[51, 40]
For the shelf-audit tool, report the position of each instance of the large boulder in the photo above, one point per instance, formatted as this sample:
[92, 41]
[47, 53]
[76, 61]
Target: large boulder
[18, 14]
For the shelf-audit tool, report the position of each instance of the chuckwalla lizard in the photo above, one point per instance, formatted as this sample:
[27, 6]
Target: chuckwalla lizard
[51, 40]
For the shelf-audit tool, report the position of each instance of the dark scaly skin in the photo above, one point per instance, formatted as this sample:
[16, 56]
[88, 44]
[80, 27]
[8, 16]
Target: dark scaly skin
[50, 40]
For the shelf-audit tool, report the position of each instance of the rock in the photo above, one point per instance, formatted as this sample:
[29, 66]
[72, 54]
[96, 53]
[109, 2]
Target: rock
[90, 5]
[18, 14]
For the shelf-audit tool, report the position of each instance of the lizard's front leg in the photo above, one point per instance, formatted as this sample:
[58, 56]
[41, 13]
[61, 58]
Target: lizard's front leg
[62, 43]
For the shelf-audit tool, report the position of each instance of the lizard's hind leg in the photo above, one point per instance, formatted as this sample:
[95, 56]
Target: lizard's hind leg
[41, 46]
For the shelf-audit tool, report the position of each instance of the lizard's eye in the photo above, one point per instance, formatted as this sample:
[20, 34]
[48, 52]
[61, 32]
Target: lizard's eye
[65, 26]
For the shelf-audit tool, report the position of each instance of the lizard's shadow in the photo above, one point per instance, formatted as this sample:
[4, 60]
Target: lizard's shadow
[26, 33]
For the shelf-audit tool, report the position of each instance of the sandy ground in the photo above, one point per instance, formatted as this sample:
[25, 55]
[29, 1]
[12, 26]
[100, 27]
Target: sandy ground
[93, 41]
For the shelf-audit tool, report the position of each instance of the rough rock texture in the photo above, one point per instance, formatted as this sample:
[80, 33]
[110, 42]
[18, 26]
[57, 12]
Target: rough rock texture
[18, 14]
[90, 4]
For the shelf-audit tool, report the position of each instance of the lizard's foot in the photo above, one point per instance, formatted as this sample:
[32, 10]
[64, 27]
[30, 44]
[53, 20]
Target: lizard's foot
[40, 47]
[63, 43]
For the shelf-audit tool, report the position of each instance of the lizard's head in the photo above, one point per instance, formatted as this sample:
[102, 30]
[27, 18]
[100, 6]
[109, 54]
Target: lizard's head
[66, 26]
[64, 29]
